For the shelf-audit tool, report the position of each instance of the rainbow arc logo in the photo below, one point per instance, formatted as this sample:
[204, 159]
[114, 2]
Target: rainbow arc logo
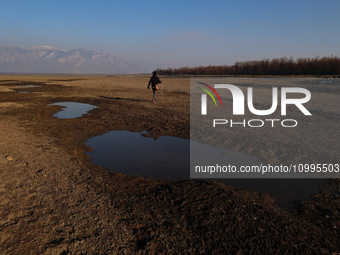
[204, 97]
[209, 93]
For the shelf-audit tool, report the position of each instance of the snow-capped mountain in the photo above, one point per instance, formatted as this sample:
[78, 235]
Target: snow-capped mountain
[48, 59]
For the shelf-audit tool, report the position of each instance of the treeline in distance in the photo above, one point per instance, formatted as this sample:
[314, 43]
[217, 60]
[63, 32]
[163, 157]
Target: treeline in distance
[276, 66]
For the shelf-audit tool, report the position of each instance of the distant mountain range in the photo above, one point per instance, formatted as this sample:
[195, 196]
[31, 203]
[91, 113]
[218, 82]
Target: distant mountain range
[47, 59]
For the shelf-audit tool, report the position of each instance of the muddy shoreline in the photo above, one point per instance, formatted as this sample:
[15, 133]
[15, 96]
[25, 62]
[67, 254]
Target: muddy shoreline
[55, 201]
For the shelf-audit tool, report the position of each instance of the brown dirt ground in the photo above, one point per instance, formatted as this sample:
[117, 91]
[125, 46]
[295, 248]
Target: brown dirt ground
[53, 200]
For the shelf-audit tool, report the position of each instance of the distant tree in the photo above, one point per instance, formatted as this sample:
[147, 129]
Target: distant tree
[276, 66]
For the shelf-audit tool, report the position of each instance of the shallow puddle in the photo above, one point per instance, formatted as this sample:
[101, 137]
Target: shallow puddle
[28, 86]
[72, 110]
[286, 192]
[132, 153]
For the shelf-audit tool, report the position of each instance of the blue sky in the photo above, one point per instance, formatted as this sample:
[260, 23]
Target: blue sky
[177, 33]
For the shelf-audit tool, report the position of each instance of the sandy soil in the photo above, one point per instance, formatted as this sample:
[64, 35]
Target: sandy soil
[53, 200]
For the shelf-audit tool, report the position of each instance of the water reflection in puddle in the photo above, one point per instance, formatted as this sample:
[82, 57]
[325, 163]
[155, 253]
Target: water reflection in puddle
[169, 157]
[166, 157]
[73, 110]
[133, 154]
[28, 86]
[286, 192]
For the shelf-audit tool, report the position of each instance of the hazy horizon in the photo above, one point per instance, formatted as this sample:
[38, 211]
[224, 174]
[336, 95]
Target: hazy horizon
[176, 34]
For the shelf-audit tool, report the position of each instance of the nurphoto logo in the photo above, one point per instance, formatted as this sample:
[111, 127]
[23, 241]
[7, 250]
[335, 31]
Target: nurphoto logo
[238, 99]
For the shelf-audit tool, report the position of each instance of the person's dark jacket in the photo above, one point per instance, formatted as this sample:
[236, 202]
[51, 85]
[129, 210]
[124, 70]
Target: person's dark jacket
[153, 81]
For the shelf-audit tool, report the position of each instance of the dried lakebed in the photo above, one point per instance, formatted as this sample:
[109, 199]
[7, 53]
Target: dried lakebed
[53, 200]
